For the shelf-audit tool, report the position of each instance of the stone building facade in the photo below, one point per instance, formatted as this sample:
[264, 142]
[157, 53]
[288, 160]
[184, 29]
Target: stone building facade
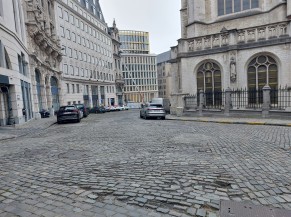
[15, 83]
[88, 73]
[44, 55]
[119, 80]
[235, 44]
[164, 75]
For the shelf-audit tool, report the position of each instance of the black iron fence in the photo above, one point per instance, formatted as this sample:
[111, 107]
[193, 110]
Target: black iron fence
[214, 100]
[280, 99]
[246, 99]
[191, 102]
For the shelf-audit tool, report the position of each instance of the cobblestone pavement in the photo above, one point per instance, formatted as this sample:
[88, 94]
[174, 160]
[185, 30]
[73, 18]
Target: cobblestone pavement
[116, 164]
[11, 132]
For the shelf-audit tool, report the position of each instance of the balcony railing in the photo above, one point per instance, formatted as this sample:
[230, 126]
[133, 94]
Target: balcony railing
[241, 36]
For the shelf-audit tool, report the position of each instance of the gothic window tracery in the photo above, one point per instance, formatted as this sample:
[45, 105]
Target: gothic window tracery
[209, 81]
[262, 70]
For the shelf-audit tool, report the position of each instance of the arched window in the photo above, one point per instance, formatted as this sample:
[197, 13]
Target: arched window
[209, 81]
[262, 70]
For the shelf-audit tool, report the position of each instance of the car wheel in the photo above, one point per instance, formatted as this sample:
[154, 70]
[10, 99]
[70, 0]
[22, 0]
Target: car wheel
[145, 117]
[59, 122]
[140, 115]
[163, 118]
[78, 120]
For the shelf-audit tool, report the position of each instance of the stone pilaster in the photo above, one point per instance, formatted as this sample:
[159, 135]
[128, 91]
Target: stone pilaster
[227, 105]
[266, 101]
[201, 102]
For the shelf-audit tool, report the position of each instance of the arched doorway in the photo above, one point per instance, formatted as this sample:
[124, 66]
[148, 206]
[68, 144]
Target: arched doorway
[209, 81]
[38, 88]
[55, 93]
[262, 70]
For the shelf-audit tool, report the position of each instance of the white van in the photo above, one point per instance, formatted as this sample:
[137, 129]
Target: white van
[164, 102]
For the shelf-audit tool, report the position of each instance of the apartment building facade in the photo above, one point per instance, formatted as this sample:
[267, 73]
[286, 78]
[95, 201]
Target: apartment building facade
[119, 80]
[231, 44]
[88, 73]
[15, 77]
[139, 67]
[44, 55]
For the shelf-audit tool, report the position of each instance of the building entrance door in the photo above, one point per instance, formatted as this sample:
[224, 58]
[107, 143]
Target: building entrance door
[4, 107]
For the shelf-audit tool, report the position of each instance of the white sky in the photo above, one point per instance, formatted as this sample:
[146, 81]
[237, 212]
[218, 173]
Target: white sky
[161, 18]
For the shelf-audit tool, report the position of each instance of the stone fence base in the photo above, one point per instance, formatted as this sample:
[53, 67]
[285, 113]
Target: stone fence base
[238, 113]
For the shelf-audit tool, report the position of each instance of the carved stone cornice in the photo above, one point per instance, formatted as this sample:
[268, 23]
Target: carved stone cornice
[49, 50]
[45, 43]
[60, 57]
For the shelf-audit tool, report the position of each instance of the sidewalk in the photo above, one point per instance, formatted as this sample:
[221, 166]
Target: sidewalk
[233, 120]
[11, 132]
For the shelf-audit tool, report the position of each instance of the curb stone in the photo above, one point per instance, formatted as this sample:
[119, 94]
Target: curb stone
[27, 133]
[230, 122]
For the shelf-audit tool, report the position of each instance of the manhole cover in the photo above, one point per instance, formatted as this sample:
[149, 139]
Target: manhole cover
[237, 209]
[74, 154]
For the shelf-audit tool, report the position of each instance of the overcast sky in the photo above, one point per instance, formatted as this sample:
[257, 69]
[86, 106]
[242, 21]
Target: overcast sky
[161, 18]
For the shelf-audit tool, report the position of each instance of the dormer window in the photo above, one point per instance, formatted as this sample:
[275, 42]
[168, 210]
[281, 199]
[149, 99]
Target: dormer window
[234, 6]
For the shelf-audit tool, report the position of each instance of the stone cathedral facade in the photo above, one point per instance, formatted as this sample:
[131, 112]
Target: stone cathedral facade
[231, 44]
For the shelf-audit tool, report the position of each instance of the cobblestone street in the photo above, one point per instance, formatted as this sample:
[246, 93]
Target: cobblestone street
[116, 164]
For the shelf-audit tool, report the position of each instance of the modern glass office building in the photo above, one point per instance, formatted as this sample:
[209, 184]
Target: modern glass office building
[134, 42]
[139, 67]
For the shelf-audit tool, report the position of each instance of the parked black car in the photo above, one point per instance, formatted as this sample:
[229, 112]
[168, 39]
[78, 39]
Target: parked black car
[98, 109]
[68, 113]
[44, 113]
[83, 109]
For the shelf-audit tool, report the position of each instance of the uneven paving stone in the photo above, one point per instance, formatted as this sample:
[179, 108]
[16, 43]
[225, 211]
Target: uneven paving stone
[161, 168]
[191, 211]
[201, 213]
[162, 210]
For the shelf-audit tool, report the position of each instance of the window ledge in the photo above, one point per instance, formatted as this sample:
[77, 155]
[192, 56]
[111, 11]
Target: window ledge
[240, 14]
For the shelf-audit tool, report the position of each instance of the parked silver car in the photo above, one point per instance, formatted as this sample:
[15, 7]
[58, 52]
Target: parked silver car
[149, 110]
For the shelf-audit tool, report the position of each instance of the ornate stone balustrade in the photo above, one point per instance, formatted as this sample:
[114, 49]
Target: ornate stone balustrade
[234, 37]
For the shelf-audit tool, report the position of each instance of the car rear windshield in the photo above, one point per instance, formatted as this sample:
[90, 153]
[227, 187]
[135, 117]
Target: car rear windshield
[79, 106]
[67, 108]
[156, 106]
